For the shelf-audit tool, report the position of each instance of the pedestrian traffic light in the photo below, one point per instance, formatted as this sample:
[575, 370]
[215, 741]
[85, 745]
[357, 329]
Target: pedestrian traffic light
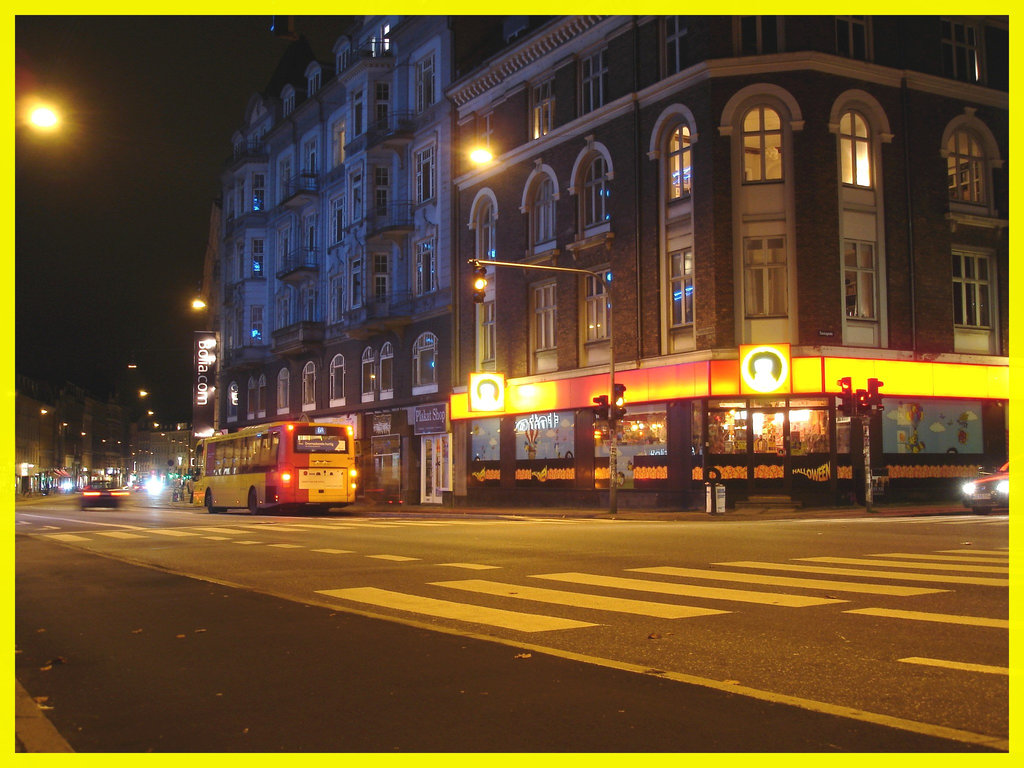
[618, 408]
[846, 402]
[479, 283]
[601, 408]
[874, 396]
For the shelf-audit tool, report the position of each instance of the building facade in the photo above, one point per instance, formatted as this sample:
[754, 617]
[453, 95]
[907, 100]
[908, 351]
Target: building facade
[825, 194]
[335, 279]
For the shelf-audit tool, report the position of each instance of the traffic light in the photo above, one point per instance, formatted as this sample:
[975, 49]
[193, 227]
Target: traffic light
[618, 408]
[863, 400]
[874, 396]
[601, 408]
[846, 402]
[479, 283]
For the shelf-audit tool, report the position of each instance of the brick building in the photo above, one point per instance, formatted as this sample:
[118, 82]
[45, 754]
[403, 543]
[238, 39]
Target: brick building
[824, 193]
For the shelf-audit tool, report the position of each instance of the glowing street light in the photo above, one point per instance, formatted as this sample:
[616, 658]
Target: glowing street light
[143, 393]
[43, 118]
[481, 155]
[198, 303]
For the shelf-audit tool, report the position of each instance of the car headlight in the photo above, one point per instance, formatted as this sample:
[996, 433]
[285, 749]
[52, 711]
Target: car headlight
[1003, 487]
[967, 489]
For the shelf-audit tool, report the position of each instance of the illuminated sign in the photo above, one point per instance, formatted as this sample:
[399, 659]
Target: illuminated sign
[487, 392]
[764, 368]
[204, 368]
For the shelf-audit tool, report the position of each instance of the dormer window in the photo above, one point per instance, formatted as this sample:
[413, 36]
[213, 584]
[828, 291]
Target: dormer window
[288, 100]
[313, 81]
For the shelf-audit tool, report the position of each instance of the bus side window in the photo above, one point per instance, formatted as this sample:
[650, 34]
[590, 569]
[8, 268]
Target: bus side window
[212, 466]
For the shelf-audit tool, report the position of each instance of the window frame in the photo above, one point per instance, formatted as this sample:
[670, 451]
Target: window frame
[425, 172]
[975, 165]
[368, 374]
[283, 391]
[967, 286]
[761, 136]
[426, 343]
[594, 195]
[593, 81]
[851, 145]
[337, 382]
[860, 274]
[595, 308]
[679, 162]
[309, 386]
[386, 371]
[775, 275]
[425, 267]
[542, 109]
[683, 298]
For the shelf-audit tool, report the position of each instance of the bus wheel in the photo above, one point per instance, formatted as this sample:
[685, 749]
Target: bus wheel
[209, 504]
[254, 504]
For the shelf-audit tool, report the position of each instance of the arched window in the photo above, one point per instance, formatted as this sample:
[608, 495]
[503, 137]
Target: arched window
[855, 150]
[542, 212]
[965, 161]
[309, 386]
[486, 243]
[369, 377]
[338, 380]
[595, 193]
[233, 401]
[251, 399]
[680, 163]
[762, 145]
[387, 367]
[424, 360]
[283, 382]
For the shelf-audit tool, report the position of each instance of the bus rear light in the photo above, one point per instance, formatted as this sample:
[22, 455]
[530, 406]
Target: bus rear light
[286, 477]
[353, 472]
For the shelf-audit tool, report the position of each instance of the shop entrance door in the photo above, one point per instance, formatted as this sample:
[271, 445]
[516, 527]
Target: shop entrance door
[769, 441]
[435, 468]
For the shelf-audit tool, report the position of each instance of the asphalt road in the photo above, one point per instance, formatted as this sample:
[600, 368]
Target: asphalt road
[149, 629]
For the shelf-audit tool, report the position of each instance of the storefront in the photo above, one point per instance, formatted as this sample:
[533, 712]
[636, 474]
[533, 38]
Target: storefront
[690, 422]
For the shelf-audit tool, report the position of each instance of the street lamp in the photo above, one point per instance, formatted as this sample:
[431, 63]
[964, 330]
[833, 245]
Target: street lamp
[613, 446]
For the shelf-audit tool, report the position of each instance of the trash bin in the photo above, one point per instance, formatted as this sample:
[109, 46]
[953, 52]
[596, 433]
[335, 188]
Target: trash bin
[714, 490]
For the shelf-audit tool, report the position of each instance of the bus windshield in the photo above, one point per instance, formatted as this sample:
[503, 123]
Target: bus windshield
[320, 439]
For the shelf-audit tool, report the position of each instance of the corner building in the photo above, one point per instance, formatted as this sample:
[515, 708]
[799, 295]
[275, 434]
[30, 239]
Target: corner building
[826, 191]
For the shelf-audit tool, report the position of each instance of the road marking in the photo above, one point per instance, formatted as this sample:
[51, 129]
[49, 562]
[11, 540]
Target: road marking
[579, 600]
[66, 537]
[944, 558]
[944, 618]
[246, 542]
[286, 546]
[269, 527]
[899, 575]
[470, 566]
[961, 665]
[902, 564]
[1003, 552]
[171, 532]
[784, 581]
[233, 531]
[445, 609]
[323, 527]
[334, 551]
[394, 558]
[216, 538]
[120, 534]
[687, 590]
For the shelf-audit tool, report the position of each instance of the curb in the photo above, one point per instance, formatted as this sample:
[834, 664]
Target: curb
[33, 732]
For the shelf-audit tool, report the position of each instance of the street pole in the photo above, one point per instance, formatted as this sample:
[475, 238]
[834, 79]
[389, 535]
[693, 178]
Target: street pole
[868, 492]
[613, 444]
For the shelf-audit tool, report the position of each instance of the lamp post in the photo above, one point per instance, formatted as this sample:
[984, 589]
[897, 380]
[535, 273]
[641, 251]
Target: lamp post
[613, 444]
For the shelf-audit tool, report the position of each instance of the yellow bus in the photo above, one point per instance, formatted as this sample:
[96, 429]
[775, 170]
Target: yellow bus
[289, 466]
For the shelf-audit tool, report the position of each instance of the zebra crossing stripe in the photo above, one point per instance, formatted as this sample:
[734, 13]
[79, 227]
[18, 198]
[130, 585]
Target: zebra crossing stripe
[945, 558]
[393, 558]
[221, 530]
[944, 618]
[579, 599]
[120, 534]
[66, 537]
[1002, 552]
[903, 564]
[784, 581]
[688, 590]
[961, 665]
[941, 578]
[445, 609]
[171, 532]
[470, 566]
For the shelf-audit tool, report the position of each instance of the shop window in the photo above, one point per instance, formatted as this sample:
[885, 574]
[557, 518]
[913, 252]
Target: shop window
[642, 448]
[808, 431]
[548, 435]
[727, 431]
[484, 439]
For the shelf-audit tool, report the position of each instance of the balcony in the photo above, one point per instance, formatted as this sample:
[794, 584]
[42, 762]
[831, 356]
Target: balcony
[299, 265]
[300, 190]
[394, 219]
[247, 151]
[300, 338]
[248, 356]
[394, 130]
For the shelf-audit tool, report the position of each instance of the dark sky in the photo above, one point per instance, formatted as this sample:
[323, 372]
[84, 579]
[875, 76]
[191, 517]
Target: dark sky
[113, 210]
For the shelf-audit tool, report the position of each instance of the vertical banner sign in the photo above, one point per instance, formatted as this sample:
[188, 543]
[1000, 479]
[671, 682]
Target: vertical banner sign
[204, 398]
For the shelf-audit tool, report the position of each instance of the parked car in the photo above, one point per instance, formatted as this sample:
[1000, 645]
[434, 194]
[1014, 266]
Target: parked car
[990, 491]
[102, 493]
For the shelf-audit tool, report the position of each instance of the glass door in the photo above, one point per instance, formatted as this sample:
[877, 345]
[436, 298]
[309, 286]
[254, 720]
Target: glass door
[435, 468]
[769, 435]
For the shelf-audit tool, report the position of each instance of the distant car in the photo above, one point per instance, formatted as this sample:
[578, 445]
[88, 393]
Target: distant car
[990, 491]
[102, 493]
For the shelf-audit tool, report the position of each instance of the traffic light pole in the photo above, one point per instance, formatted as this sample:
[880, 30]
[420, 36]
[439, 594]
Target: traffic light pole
[613, 438]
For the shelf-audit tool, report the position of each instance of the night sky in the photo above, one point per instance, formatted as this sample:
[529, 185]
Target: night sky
[113, 210]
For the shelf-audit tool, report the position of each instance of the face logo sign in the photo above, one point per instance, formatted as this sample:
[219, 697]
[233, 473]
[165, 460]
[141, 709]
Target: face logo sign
[487, 392]
[764, 368]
